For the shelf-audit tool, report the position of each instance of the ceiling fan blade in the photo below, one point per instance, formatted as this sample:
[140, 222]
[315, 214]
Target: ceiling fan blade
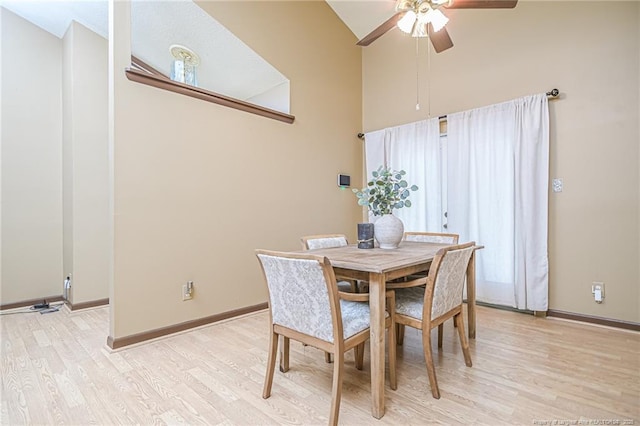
[483, 4]
[440, 39]
[381, 30]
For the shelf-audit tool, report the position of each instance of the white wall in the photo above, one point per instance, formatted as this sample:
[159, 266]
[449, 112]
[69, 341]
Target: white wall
[275, 98]
[86, 164]
[67, 155]
[31, 161]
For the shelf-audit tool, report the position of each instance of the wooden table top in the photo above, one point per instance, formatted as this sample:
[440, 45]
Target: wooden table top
[379, 260]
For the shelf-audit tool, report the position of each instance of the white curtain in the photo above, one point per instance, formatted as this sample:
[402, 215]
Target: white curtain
[374, 151]
[414, 148]
[498, 179]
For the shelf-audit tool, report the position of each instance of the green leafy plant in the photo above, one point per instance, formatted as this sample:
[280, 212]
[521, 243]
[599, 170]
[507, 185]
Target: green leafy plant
[387, 190]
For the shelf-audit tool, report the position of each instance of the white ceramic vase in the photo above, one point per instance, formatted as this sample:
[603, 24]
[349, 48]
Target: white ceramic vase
[388, 231]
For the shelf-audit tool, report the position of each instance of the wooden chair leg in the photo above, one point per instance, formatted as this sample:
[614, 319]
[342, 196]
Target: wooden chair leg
[463, 339]
[399, 334]
[358, 353]
[354, 286]
[271, 365]
[336, 390]
[284, 354]
[428, 355]
[391, 340]
[440, 331]
[327, 357]
[393, 378]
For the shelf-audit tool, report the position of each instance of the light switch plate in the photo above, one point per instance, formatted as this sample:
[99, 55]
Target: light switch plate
[557, 185]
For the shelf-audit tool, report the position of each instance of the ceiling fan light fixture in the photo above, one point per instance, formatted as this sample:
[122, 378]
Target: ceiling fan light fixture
[414, 23]
[406, 23]
[420, 30]
[423, 7]
[437, 19]
[402, 5]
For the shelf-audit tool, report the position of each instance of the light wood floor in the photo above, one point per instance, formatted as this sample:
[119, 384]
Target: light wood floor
[56, 369]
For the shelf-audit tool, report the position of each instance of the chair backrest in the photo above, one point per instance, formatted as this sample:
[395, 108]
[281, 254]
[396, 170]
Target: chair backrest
[312, 242]
[302, 293]
[448, 272]
[431, 237]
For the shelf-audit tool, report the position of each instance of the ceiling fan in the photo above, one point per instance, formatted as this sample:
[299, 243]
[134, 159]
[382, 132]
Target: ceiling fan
[423, 18]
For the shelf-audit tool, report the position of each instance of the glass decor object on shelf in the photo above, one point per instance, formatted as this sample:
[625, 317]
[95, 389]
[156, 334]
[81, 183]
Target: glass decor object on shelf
[185, 64]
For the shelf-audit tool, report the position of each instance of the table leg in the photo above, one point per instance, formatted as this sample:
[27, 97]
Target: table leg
[471, 295]
[377, 310]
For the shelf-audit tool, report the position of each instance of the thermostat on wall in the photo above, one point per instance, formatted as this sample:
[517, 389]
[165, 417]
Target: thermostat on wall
[344, 181]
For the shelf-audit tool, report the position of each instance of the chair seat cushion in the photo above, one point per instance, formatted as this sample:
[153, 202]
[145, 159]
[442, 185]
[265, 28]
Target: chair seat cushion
[355, 317]
[344, 286]
[410, 302]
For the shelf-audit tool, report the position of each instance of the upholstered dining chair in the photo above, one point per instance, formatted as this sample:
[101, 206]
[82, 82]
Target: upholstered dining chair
[441, 298]
[305, 305]
[422, 237]
[431, 237]
[311, 242]
[414, 279]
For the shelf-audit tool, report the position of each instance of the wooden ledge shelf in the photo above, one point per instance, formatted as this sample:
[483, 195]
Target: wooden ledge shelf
[162, 82]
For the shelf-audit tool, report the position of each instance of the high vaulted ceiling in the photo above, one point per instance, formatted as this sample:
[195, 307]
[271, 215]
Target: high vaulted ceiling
[363, 16]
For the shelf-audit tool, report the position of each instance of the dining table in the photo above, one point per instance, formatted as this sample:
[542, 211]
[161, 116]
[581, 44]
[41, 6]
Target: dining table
[378, 266]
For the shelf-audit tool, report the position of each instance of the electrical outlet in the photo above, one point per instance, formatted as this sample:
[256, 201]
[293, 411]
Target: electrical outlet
[557, 185]
[597, 289]
[187, 291]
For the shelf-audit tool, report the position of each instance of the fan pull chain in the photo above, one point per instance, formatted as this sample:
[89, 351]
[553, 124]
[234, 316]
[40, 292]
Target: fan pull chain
[417, 74]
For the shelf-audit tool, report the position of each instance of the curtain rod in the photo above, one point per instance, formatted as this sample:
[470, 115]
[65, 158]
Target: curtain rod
[553, 93]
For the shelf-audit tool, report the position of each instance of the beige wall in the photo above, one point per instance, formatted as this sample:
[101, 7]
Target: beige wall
[591, 55]
[31, 162]
[67, 155]
[197, 187]
[86, 186]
